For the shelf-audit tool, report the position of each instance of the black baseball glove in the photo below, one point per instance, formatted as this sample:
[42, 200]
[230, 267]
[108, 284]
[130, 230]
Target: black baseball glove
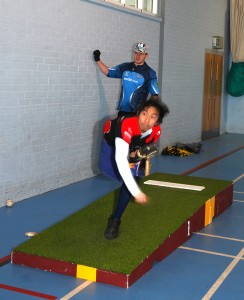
[96, 55]
[147, 151]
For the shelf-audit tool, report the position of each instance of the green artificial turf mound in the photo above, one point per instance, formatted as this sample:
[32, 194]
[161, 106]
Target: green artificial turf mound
[79, 238]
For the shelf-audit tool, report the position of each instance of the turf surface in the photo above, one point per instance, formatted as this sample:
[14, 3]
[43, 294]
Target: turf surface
[79, 238]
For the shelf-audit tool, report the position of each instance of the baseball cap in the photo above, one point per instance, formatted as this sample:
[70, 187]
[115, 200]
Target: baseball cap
[141, 47]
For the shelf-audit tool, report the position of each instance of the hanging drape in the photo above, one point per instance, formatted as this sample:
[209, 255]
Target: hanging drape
[235, 78]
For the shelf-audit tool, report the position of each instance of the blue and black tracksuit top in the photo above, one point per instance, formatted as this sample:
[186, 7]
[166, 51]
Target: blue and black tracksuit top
[137, 83]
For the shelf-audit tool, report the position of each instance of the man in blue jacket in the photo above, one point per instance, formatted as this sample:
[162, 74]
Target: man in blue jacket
[138, 80]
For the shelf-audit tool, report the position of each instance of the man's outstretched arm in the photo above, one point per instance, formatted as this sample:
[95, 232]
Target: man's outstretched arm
[103, 68]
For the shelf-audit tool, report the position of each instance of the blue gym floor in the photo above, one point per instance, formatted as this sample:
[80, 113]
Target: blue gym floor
[208, 266]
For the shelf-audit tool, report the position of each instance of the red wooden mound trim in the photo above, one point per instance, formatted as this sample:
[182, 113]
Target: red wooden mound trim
[43, 263]
[223, 200]
[195, 223]
[112, 278]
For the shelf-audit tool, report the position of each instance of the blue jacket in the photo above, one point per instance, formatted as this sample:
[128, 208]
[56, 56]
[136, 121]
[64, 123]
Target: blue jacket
[137, 83]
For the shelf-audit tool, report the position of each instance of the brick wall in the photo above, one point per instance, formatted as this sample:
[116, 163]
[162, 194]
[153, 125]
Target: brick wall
[53, 100]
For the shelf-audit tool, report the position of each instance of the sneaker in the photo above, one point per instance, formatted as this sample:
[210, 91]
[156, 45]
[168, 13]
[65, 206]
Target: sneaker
[112, 230]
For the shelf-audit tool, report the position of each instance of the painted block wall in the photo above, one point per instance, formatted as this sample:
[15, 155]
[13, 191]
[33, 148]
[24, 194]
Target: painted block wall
[188, 30]
[53, 100]
[235, 115]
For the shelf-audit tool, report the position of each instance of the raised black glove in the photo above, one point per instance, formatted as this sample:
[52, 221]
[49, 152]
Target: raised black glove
[96, 55]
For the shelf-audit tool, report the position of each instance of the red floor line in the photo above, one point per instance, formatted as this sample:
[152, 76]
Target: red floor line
[209, 162]
[27, 292]
[5, 260]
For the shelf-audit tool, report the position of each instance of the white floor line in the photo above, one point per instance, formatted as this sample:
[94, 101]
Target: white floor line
[219, 237]
[211, 252]
[242, 193]
[240, 201]
[77, 290]
[223, 276]
[238, 178]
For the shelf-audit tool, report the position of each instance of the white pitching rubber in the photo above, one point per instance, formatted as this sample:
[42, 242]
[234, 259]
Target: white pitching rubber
[175, 185]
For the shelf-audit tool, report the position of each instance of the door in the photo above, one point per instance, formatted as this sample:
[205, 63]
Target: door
[212, 94]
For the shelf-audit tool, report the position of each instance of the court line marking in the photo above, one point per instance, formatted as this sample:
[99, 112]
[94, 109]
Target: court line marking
[214, 253]
[211, 161]
[238, 178]
[5, 260]
[26, 292]
[239, 192]
[240, 201]
[219, 237]
[77, 290]
[224, 275]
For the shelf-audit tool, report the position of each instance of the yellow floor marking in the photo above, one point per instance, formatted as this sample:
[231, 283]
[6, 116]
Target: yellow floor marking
[77, 290]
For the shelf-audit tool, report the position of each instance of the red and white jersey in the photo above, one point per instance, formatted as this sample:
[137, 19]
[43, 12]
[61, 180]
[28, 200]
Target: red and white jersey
[127, 128]
[125, 135]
